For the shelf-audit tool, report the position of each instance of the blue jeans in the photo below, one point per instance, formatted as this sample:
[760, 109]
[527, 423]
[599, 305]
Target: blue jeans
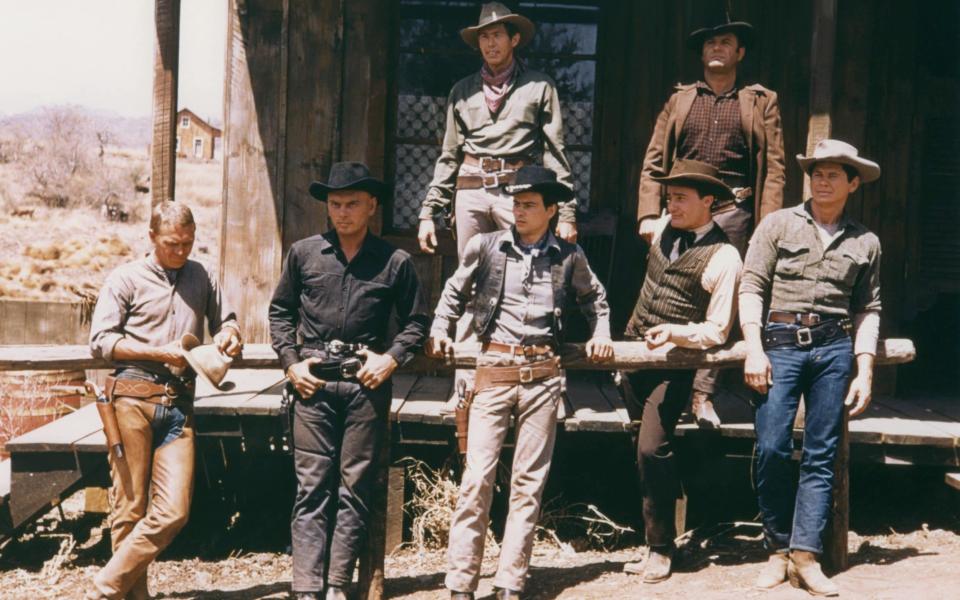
[795, 515]
[168, 421]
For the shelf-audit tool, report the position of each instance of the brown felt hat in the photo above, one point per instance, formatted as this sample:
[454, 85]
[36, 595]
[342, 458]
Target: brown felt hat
[700, 175]
[206, 360]
[492, 13]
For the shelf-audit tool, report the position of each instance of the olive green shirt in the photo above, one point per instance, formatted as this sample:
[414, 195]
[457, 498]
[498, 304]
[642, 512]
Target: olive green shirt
[789, 268]
[529, 124]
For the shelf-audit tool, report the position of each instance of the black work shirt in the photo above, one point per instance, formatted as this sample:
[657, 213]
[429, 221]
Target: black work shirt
[323, 297]
[713, 133]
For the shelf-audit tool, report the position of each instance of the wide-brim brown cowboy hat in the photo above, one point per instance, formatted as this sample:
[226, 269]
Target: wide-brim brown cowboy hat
[836, 151]
[349, 176]
[206, 360]
[700, 175]
[533, 178]
[716, 25]
[492, 13]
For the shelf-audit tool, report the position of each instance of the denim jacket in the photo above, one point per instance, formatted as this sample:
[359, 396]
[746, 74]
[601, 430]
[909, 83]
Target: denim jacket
[481, 276]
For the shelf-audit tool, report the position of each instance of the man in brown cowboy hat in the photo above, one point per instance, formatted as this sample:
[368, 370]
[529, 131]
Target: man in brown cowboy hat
[818, 271]
[688, 299]
[144, 309]
[329, 315]
[520, 279]
[732, 126]
[498, 119]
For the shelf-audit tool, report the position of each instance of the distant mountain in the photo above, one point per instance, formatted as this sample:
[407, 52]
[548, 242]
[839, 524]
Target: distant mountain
[129, 132]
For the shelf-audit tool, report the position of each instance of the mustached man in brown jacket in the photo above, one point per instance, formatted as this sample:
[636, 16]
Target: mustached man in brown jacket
[731, 126]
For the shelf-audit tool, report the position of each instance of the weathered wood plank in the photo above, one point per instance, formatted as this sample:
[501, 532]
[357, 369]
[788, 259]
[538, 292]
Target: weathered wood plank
[166, 59]
[426, 400]
[402, 384]
[921, 414]
[627, 356]
[252, 212]
[591, 409]
[952, 479]
[59, 435]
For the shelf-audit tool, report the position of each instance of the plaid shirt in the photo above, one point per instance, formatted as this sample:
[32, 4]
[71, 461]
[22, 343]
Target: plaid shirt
[712, 133]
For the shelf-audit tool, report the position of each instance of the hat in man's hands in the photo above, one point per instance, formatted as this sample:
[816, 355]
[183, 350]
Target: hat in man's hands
[348, 176]
[492, 13]
[843, 153]
[206, 360]
[696, 174]
[539, 179]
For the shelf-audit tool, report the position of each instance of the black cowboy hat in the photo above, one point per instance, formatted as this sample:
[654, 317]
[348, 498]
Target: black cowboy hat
[542, 180]
[699, 175]
[492, 13]
[717, 23]
[348, 176]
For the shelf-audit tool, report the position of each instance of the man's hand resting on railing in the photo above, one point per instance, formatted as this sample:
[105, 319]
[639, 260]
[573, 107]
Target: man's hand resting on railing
[439, 347]
[599, 349]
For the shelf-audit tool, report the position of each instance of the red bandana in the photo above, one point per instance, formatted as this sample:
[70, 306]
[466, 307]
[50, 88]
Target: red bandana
[496, 87]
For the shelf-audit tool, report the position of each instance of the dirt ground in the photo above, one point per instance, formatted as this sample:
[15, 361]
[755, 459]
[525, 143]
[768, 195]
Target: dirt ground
[57, 557]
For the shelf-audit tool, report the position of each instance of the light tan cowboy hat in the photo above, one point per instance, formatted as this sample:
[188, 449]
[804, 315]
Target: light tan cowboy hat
[206, 360]
[836, 151]
[697, 174]
[492, 13]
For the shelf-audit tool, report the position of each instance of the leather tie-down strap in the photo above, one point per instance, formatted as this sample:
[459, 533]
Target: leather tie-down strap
[488, 377]
[166, 394]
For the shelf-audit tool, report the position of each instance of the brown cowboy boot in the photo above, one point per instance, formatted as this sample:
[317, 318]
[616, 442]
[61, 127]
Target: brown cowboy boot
[804, 572]
[703, 411]
[774, 572]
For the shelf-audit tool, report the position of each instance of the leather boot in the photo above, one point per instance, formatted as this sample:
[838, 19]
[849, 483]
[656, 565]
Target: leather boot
[306, 596]
[335, 593]
[804, 572]
[461, 595]
[703, 411]
[774, 572]
[505, 594]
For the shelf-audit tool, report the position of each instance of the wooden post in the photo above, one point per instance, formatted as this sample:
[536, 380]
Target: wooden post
[835, 546]
[165, 64]
[821, 76]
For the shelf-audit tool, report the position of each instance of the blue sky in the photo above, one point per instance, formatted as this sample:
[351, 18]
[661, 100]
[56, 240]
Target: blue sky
[99, 54]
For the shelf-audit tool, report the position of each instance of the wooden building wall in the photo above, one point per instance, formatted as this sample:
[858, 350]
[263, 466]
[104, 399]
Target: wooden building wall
[310, 82]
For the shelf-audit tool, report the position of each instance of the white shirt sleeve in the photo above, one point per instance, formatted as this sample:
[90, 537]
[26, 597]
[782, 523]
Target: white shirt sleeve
[721, 278]
[866, 326]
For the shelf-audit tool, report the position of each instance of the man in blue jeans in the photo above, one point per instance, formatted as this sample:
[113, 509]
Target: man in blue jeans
[820, 271]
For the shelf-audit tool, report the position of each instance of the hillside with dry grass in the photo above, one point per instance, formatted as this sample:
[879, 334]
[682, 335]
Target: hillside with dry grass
[73, 205]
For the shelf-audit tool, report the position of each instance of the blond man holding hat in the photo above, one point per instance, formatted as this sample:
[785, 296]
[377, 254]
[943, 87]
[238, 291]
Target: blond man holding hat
[810, 309]
[145, 311]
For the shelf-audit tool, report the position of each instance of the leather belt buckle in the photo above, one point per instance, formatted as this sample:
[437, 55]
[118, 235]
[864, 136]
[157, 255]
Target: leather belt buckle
[490, 186]
[490, 164]
[526, 374]
[804, 337]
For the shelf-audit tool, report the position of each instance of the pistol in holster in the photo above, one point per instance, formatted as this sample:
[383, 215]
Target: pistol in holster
[462, 415]
[108, 416]
[288, 397]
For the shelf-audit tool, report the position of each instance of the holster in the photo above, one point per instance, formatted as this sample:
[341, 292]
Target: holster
[462, 416]
[108, 417]
[288, 398]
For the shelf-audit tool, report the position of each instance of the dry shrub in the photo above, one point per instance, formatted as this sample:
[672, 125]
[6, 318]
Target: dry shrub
[577, 527]
[431, 507]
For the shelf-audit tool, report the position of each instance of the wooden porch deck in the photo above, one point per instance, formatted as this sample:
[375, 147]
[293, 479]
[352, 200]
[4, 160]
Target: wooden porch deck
[51, 462]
